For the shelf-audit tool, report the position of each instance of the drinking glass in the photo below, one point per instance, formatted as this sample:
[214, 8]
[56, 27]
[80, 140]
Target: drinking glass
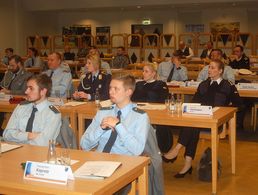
[65, 157]
[167, 102]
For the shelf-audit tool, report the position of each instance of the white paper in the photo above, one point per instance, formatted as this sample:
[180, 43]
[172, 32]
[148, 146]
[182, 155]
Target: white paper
[97, 169]
[147, 106]
[74, 103]
[7, 147]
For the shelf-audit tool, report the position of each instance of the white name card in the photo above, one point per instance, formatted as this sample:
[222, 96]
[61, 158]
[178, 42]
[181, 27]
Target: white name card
[50, 173]
[192, 83]
[248, 86]
[197, 109]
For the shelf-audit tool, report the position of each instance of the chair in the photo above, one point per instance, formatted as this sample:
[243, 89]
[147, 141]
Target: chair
[254, 116]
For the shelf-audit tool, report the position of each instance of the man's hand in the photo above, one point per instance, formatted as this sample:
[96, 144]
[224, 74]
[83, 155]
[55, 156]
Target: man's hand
[109, 122]
[32, 136]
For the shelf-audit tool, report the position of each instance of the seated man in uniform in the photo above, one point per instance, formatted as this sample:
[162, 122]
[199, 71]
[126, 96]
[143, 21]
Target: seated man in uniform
[34, 59]
[34, 121]
[239, 59]
[228, 73]
[94, 81]
[60, 75]
[14, 81]
[121, 60]
[121, 128]
[8, 54]
[172, 70]
[206, 53]
[184, 51]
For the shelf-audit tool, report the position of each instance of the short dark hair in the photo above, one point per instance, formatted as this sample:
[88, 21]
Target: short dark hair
[121, 47]
[218, 50]
[9, 49]
[43, 81]
[128, 81]
[177, 54]
[34, 50]
[17, 59]
[59, 56]
[240, 46]
[220, 64]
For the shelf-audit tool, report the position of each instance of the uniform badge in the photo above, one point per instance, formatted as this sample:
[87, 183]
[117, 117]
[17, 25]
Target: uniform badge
[89, 76]
[100, 76]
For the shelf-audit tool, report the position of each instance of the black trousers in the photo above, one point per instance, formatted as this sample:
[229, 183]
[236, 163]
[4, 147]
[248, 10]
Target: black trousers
[164, 138]
[189, 138]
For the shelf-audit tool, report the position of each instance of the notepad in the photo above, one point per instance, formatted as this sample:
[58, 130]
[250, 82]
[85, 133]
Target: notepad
[97, 169]
[7, 147]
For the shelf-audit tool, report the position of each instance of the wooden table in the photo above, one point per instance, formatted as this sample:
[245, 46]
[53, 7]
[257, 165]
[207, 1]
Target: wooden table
[161, 117]
[247, 77]
[12, 182]
[192, 90]
[70, 111]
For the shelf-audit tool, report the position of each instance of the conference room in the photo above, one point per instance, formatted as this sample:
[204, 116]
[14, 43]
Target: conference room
[77, 75]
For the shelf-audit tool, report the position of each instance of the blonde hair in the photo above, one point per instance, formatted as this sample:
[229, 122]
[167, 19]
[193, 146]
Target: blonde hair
[153, 67]
[95, 60]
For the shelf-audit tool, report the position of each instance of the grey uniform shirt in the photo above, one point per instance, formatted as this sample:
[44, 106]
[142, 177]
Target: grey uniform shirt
[46, 122]
[178, 74]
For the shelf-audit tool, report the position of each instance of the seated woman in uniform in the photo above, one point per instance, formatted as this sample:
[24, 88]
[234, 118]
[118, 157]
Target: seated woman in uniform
[214, 91]
[153, 90]
[93, 81]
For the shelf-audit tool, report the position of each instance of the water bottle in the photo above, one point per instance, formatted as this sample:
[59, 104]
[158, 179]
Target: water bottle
[51, 155]
[97, 98]
[172, 106]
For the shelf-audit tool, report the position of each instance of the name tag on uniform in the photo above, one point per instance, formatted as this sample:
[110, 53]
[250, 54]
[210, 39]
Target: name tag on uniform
[247, 86]
[197, 109]
[50, 173]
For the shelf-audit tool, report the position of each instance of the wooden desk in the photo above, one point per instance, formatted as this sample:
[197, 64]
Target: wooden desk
[65, 111]
[12, 182]
[161, 117]
[192, 90]
[247, 77]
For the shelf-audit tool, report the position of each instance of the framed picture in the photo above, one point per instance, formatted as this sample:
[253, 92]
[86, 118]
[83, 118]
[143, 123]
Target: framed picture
[103, 35]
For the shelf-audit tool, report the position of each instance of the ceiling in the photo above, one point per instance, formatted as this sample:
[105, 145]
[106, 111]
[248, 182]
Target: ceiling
[124, 5]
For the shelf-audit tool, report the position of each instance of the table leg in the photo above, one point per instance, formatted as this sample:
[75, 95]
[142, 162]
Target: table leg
[214, 149]
[232, 124]
[143, 181]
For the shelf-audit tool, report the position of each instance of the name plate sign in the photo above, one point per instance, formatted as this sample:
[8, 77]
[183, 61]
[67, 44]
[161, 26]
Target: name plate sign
[197, 109]
[50, 173]
[192, 83]
[247, 86]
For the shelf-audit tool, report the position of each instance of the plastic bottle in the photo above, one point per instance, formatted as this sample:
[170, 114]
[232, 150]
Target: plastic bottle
[51, 155]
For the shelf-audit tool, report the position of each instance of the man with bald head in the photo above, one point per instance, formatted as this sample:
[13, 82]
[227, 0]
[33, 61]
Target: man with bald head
[60, 75]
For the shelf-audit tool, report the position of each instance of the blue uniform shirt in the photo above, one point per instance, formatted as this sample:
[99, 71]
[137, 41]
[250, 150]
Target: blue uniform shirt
[61, 80]
[178, 74]
[46, 122]
[132, 131]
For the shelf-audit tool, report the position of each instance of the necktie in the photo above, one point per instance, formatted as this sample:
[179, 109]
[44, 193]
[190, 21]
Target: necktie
[51, 74]
[9, 87]
[170, 74]
[31, 119]
[93, 78]
[112, 137]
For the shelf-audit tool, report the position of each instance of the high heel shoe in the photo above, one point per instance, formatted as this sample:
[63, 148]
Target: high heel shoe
[166, 160]
[181, 175]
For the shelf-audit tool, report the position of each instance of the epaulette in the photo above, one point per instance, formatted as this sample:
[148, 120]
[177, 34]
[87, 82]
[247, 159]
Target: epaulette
[67, 71]
[107, 108]
[54, 109]
[138, 110]
[25, 102]
[231, 83]
[246, 58]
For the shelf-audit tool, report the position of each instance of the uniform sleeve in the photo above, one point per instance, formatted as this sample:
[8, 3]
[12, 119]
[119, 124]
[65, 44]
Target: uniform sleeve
[23, 88]
[65, 84]
[50, 131]
[229, 74]
[197, 96]
[235, 99]
[104, 92]
[162, 92]
[183, 74]
[135, 140]
[12, 132]
[160, 72]
[203, 74]
[92, 135]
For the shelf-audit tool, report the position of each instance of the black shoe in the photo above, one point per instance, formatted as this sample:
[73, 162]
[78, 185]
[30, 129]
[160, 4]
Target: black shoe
[182, 175]
[166, 160]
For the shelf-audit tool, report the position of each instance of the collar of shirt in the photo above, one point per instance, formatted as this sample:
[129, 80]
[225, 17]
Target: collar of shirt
[218, 80]
[41, 105]
[151, 81]
[96, 74]
[125, 110]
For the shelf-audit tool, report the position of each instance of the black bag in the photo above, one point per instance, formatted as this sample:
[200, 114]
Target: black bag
[204, 168]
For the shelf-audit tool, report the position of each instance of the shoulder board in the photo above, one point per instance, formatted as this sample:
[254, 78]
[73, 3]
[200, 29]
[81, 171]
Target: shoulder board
[103, 72]
[106, 108]
[25, 102]
[54, 109]
[138, 110]
[67, 71]
[230, 82]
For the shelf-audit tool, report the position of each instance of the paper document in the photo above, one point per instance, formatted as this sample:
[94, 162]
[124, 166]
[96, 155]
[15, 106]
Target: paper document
[7, 147]
[147, 106]
[74, 103]
[97, 169]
